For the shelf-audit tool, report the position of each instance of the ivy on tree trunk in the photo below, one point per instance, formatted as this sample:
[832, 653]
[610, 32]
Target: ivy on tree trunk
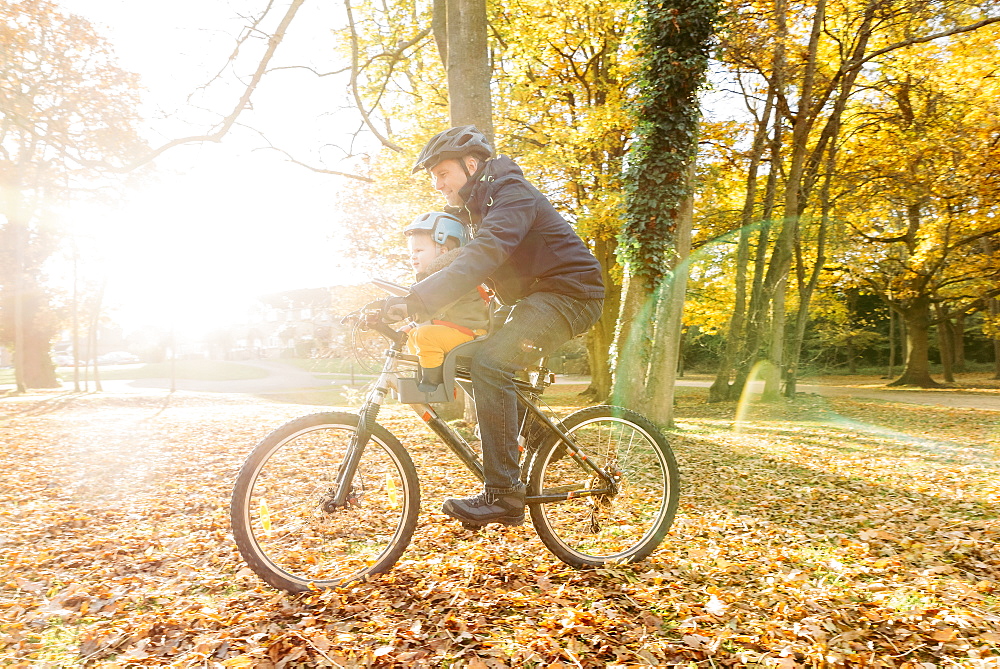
[674, 44]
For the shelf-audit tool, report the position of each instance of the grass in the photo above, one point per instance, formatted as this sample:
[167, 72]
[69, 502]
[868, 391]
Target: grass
[199, 370]
[325, 365]
[318, 397]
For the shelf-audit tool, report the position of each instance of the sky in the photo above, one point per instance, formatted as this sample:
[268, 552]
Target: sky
[217, 224]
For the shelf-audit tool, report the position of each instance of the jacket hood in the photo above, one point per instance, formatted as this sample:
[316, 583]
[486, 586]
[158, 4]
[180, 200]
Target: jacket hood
[439, 263]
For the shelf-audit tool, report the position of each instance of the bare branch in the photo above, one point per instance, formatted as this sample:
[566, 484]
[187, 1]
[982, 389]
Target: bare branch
[310, 69]
[319, 170]
[876, 238]
[354, 83]
[244, 36]
[227, 123]
[397, 53]
[920, 40]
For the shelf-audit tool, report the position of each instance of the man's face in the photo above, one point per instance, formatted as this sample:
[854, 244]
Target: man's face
[448, 178]
[422, 251]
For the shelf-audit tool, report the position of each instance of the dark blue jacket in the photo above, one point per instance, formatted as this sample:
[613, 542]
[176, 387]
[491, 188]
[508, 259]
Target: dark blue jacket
[521, 246]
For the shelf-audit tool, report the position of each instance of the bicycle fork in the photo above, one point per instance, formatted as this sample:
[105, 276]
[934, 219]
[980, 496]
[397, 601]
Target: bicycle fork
[359, 440]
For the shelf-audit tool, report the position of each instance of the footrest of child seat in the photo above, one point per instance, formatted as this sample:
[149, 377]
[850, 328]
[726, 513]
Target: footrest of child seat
[408, 393]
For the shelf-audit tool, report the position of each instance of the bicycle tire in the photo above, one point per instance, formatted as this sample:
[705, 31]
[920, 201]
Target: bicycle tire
[277, 513]
[593, 530]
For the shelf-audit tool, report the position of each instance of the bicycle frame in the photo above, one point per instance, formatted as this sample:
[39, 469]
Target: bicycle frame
[455, 442]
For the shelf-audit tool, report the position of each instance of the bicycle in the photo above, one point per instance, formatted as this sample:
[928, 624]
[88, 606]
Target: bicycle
[333, 497]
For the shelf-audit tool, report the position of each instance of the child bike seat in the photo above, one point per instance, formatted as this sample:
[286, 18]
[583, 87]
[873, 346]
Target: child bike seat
[459, 358]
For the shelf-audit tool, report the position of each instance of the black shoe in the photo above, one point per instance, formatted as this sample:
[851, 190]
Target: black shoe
[430, 378]
[488, 507]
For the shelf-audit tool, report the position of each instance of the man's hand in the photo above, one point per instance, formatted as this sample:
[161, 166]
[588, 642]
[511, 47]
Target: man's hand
[394, 309]
[372, 313]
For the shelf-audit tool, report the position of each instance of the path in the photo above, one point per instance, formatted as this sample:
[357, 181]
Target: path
[284, 378]
[281, 378]
[956, 399]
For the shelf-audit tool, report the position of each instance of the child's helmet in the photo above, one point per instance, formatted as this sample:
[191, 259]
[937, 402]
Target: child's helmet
[441, 225]
[463, 140]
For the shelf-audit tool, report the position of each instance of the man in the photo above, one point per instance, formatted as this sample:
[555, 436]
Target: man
[533, 260]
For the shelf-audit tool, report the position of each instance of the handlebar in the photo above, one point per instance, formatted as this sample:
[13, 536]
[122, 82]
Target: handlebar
[369, 319]
[392, 288]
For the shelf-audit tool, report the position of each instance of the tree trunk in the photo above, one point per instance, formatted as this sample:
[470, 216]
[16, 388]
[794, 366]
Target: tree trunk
[757, 321]
[94, 327]
[781, 261]
[467, 64]
[946, 347]
[775, 372]
[670, 313]
[995, 313]
[720, 390]
[75, 320]
[916, 372]
[631, 355]
[439, 28]
[19, 319]
[958, 339]
[675, 42]
[687, 334]
[892, 344]
[602, 335]
[808, 288]
[39, 371]
[32, 363]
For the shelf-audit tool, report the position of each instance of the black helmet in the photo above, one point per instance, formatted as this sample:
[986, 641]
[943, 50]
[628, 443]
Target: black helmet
[463, 140]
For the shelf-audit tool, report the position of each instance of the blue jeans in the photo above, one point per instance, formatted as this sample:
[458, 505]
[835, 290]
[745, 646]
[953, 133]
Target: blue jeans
[536, 327]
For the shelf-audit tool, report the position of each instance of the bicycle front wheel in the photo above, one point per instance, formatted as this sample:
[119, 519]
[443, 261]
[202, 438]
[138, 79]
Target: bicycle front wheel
[283, 519]
[626, 523]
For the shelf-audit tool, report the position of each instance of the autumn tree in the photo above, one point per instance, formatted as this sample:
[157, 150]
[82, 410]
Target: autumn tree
[561, 76]
[808, 63]
[927, 228]
[67, 117]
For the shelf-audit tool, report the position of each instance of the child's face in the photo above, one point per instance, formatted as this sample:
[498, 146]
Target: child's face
[422, 251]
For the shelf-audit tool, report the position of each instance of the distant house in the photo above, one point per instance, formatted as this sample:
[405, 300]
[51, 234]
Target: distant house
[298, 323]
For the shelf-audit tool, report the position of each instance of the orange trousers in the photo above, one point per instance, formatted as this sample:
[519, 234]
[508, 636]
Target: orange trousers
[430, 342]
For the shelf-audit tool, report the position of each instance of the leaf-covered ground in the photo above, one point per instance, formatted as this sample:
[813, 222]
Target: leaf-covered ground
[819, 533]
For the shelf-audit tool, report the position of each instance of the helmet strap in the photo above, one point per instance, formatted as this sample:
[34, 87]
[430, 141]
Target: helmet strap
[465, 168]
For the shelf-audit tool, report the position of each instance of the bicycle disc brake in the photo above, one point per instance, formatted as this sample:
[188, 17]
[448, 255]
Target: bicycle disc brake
[329, 506]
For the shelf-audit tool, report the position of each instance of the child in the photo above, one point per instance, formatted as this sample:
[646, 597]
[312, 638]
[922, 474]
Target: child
[434, 240]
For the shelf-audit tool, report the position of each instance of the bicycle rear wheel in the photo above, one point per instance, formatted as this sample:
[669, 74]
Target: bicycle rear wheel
[627, 523]
[282, 516]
